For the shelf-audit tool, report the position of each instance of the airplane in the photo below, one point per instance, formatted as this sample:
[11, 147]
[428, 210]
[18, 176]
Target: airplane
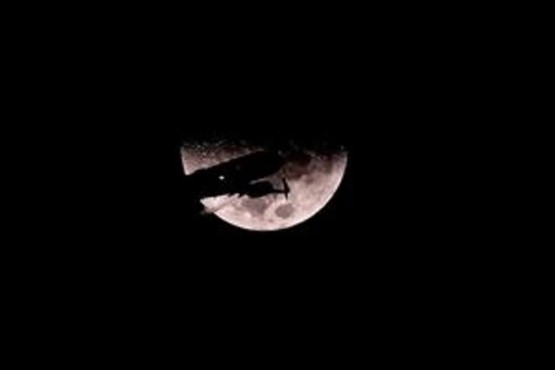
[239, 177]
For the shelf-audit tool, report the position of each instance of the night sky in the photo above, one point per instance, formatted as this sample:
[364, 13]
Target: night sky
[118, 231]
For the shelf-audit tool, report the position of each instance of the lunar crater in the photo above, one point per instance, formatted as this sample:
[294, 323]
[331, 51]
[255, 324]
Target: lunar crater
[285, 211]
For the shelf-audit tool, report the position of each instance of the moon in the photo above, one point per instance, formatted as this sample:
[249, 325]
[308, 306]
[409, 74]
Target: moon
[313, 174]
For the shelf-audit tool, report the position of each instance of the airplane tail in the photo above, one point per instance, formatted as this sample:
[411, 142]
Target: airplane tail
[286, 189]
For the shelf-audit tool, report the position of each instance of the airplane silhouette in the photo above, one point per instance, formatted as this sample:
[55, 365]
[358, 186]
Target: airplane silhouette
[239, 177]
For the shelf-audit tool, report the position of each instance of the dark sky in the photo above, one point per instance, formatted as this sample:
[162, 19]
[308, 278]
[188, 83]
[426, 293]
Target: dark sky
[398, 193]
[126, 119]
[112, 111]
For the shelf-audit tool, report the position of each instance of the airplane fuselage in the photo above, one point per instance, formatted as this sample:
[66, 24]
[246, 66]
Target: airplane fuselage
[237, 176]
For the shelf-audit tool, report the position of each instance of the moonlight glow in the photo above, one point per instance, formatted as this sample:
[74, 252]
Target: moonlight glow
[313, 177]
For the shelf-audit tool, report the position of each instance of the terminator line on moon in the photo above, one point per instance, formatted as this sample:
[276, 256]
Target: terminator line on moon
[288, 194]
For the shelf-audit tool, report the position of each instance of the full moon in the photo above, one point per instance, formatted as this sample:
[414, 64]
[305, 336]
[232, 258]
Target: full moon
[313, 174]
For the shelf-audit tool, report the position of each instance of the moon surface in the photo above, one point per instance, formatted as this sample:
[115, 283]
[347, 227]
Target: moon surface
[313, 177]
